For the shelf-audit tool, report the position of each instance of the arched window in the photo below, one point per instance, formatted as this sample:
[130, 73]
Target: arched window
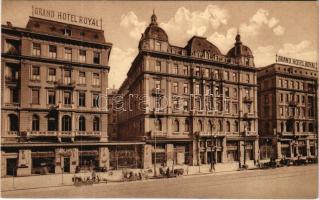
[200, 125]
[227, 126]
[96, 124]
[236, 128]
[210, 126]
[220, 124]
[66, 123]
[82, 123]
[176, 125]
[13, 122]
[35, 123]
[310, 127]
[158, 125]
[186, 125]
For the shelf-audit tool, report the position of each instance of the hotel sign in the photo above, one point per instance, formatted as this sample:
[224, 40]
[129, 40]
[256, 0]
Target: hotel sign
[66, 17]
[293, 61]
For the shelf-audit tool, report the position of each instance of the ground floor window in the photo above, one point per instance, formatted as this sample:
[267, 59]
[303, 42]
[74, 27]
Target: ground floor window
[11, 167]
[43, 165]
[232, 155]
[285, 151]
[160, 158]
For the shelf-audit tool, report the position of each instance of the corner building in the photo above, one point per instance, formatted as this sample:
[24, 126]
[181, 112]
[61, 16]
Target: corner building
[51, 76]
[288, 111]
[201, 105]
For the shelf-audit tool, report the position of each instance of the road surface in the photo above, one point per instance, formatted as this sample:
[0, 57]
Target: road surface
[286, 182]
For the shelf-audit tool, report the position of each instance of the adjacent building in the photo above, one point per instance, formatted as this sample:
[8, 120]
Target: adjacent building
[288, 111]
[52, 74]
[191, 105]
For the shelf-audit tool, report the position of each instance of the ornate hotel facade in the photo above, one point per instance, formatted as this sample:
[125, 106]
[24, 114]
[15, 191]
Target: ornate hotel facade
[51, 75]
[288, 111]
[191, 105]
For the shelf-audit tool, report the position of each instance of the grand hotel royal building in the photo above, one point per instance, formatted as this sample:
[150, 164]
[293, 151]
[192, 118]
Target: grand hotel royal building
[179, 124]
[51, 74]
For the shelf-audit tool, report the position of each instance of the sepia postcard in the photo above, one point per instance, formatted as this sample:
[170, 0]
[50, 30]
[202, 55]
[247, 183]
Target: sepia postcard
[159, 99]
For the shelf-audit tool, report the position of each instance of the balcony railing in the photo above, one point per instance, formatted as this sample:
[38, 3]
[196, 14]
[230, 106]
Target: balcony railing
[251, 133]
[67, 83]
[12, 134]
[158, 134]
[157, 91]
[89, 133]
[42, 133]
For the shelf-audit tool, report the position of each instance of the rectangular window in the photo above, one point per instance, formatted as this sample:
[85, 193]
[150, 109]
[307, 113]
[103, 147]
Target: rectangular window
[67, 77]
[157, 46]
[158, 66]
[175, 69]
[52, 74]
[51, 97]
[95, 100]
[185, 106]
[52, 51]
[158, 84]
[96, 57]
[82, 99]
[280, 82]
[67, 53]
[235, 93]
[35, 73]
[281, 111]
[235, 108]
[281, 97]
[206, 72]
[216, 74]
[185, 88]
[197, 71]
[67, 98]
[234, 77]
[175, 87]
[96, 79]
[35, 96]
[226, 76]
[82, 78]
[227, 92]
[14, 98]
[185, 70]
[197, 90]
[36, 49]
[82, 56]
[247, 78]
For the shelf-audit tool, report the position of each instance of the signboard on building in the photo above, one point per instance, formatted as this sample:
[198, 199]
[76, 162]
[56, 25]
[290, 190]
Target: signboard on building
[66, 17]
[295, 62]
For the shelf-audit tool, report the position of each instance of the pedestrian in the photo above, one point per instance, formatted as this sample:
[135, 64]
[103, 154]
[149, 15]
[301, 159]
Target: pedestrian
[167, 172]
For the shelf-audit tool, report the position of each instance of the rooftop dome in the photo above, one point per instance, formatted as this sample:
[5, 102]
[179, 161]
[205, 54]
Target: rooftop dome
[201, 44]
[239, 50]
[153, 31]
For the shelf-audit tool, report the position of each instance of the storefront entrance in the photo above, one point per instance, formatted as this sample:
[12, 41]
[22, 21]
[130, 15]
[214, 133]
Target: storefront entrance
[66, 167]
[11, 166]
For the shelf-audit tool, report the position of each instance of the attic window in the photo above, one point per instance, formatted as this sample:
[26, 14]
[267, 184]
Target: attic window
[67, 32]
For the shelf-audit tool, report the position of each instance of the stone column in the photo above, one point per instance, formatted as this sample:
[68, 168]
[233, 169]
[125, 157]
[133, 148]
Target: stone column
[256, 150]
[297, 147]
[308, 147]
[24, 163]
[58, 160]
[169, 155]
[242, 152]
[278, 147]
[147, 156]
[193, 153]
[74, 159]
[291, 150]
[3, 164]
[104, 157]
[224, 151]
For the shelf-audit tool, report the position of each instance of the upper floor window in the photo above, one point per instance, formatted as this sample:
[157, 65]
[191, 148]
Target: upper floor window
[234, 76]
[96, 57]
[158, 84]
[67, 53]
[185, 70]
[51, 97]
[158, 66]
[35, 123]
[226, 92]
[82, 99]
[280, 82]
[35, 96]
[175, 87]
[96, 79]
[35, 73]
[67, 77]
[95, 100]
[197, 90]
[185, 88]
[197, 71]
[227, 75]
[67, 32]
[206, 72]
[247, 78]
[67, 98]
[82, 78]
[52, 51]
[82, 56]
[36, 49]
[175, 69]
[52, 74]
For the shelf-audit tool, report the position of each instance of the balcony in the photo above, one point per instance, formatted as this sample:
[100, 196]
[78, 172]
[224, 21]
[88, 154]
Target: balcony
[66, 84]
[42, 134]
[158, 134]
[13, 104]
[157, 92]
[248, 99]
[88, 134]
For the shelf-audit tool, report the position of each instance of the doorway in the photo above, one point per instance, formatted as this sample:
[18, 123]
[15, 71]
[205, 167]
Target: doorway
[66, 167]
[11, 167]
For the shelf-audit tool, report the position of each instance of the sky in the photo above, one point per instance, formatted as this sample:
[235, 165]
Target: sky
[268, 28]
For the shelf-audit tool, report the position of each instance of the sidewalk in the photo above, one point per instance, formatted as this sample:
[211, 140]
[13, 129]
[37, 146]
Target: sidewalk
[62, 180]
